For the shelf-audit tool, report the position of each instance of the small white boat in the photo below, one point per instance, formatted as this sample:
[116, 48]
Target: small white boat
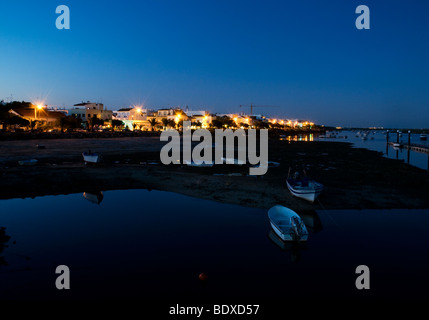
[309, 190]
[30, 162]
[90, 157]
[423, 136]
[233, 161]
[303, 188]
[287, 224]
[397, 145]
[197, 164]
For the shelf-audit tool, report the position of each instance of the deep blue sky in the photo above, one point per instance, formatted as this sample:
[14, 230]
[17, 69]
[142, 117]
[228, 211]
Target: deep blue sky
[307, 57]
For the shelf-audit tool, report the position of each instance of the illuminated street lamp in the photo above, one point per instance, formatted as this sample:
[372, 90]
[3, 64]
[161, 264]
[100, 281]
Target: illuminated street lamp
[38, 107]
[177, 118]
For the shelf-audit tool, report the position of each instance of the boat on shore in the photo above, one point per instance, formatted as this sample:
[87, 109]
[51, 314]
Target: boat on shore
[234, 161]
[287, 224]
[197, 164]
[91, 157]
[302, 187]
[30, 162]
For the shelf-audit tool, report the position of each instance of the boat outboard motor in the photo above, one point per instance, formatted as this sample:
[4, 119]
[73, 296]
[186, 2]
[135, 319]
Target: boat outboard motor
[296, 226]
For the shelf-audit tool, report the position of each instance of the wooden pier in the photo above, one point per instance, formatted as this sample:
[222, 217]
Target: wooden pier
[412, 146]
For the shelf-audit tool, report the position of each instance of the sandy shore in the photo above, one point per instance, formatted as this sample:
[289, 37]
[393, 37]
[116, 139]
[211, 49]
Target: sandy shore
[353, 178]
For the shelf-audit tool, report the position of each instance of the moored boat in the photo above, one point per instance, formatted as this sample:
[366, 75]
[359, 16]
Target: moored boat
[423, 136]
[287, 224]
[304, 188]
[90, 157]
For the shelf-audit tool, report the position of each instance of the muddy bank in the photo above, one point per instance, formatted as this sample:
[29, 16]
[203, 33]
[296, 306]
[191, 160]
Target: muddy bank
[353, 178]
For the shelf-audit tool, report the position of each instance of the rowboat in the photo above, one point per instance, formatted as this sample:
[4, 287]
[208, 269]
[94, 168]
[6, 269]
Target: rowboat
[287, 224]
[303, 187]
[90, 157]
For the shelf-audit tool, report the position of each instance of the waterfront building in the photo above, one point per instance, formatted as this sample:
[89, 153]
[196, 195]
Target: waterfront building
[87, 110]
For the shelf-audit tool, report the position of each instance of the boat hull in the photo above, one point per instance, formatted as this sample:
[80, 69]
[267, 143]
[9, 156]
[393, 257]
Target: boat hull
[93, 158]
[287, 225]
[27, 162]
[306, 194]
[287, 236]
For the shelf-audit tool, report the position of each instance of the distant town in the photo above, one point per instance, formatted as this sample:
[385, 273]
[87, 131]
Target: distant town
[92, 116]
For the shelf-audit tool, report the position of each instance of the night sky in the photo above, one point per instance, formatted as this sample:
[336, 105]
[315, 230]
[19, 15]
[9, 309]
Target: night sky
[306, 57]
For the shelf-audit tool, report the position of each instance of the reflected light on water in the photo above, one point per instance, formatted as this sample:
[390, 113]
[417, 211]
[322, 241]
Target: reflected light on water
[299, 137]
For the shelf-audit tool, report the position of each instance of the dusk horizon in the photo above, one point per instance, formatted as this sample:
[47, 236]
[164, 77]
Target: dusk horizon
[307, 59]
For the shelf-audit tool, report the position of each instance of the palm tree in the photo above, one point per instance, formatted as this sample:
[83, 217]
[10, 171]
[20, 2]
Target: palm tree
[153, 122]
[165, 122]
[171, 123]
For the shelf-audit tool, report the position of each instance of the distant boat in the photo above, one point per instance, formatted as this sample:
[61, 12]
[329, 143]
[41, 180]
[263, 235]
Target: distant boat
[30, 162]
[287, 224]
[90, 157]
[94, 197]
[303, 187]
[423, 136]
[328, 135]
[397, 145]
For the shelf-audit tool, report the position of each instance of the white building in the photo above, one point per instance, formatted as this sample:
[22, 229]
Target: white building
[133, 118]
[204, 117]
[87, 110]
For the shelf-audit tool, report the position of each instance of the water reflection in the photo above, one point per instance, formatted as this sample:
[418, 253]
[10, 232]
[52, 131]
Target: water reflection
[4, 238]
[379, 141]
[312, 221]
[298, 137]
[161, 241]
[94, 196]
[294, 247]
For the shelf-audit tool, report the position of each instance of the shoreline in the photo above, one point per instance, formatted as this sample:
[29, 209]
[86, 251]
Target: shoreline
[353, 178]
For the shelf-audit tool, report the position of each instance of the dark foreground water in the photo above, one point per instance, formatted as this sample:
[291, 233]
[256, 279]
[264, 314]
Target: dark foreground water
[152, 245]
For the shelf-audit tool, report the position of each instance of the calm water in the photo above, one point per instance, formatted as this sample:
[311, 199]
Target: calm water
[152, 245]
[377, 142]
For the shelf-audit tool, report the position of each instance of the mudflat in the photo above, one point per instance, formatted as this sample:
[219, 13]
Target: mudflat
[353, 178]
